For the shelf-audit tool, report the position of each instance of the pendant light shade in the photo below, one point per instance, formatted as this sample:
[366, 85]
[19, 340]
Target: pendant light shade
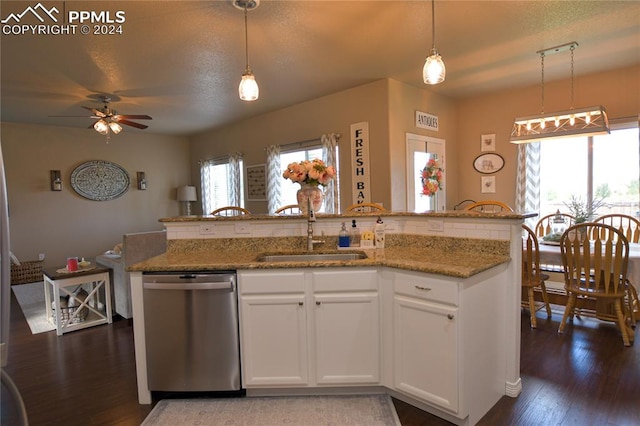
[248, 89]
[434, 70]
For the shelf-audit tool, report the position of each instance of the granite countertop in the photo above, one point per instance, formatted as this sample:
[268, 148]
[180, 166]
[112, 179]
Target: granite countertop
[461, 264]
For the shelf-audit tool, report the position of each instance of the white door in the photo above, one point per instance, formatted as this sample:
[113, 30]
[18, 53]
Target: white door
[274, 340]
[426, 351]
[419, 150]
[347, 336]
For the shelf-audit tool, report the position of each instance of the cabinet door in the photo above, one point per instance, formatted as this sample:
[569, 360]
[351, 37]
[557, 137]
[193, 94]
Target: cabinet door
[346, 326]
[426, 351]
[274, 340]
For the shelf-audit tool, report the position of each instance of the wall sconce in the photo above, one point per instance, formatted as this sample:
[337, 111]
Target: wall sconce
[142, 181]
[56, 181]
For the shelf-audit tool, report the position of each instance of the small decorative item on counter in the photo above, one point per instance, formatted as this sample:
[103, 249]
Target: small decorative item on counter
[84, 263]
[309, 174]
[378, 230]
[355, 234]
[366, 239]
[343, 236]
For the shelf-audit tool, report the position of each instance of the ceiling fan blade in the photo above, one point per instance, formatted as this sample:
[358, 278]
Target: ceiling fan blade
[135, 117]
[71, 116]
[95, 111]
[132, 123]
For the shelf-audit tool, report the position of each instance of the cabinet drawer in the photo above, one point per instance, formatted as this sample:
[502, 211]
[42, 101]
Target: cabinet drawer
[272, 282]
[435, 289]
[345, 280]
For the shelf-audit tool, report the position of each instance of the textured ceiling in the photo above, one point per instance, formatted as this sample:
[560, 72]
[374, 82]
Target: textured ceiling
[181, 61]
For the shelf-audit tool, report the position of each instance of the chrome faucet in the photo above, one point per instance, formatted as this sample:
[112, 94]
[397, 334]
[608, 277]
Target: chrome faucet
[311, 218]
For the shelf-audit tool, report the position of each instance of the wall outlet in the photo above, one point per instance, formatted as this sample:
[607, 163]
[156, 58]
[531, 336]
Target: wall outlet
[207, 229]
[435, 225]
[243, 228]
[41, 256]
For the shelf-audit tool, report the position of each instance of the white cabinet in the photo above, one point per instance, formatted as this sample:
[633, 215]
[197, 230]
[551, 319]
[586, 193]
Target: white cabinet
[273, 328]
[346, 326]
[426, 339]
[309, 327]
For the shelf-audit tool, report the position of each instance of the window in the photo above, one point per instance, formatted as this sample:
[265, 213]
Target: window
[602, 167]
[288, 189]
[222, 183]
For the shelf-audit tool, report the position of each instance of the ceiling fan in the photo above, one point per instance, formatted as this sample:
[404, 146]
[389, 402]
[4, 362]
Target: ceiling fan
[108, 120]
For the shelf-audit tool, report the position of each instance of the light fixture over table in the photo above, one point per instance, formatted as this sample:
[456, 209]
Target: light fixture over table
[248, 89]
[433, 71]
[581, 121]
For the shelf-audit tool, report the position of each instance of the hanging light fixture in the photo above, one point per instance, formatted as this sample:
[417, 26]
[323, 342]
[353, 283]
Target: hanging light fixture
[433, 71]
[588, 121]
[248, 89]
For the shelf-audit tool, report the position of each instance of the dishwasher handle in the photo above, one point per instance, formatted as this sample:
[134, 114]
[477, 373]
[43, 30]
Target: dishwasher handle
[220, 285]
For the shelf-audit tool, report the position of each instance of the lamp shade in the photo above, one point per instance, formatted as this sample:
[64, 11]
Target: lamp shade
[187, 193]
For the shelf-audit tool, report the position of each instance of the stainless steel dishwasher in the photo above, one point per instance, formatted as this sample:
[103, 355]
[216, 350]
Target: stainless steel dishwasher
[191, 331]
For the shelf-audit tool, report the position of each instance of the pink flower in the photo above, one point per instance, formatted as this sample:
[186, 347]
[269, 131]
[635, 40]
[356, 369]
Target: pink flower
[313, 172]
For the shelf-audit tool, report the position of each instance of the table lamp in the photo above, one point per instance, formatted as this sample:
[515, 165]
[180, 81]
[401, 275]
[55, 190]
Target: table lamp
[187, 194]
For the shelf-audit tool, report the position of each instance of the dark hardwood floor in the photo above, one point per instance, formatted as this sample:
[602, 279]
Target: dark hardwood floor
[87, 377]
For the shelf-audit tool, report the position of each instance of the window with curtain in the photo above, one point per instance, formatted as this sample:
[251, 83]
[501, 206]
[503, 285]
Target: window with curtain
[605, 167]
[222, 182]
[283, 191]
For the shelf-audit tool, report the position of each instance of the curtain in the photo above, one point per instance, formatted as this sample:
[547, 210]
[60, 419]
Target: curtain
[273, 178]
[528, 180]
[329, 144]
[205, 185]
[235, 173]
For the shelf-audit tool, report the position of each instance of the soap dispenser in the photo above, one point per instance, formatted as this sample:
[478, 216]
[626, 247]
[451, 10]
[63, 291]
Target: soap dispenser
[355, 234]
[378, 230]
[343, 236]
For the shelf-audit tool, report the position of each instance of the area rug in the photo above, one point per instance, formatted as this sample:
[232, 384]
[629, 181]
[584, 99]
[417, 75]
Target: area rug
[31, 299]
[364, 410]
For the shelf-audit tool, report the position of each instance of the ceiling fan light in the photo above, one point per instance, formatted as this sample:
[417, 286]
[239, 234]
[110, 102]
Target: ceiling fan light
[115, 127]
[434, 70]
[101, 127]
[248, 89]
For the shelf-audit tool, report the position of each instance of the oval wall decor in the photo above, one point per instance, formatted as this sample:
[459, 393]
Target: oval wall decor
[488, 163]
[100, 180]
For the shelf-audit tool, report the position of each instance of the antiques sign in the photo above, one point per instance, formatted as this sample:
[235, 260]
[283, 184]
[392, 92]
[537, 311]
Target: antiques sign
[426, 121]
[360, 169]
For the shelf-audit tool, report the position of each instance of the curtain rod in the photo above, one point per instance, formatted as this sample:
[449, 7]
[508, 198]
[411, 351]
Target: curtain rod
[300, 144]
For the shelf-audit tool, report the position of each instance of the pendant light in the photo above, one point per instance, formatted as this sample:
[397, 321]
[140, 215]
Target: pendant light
[433, 71]
[248, 89]
[588, 121]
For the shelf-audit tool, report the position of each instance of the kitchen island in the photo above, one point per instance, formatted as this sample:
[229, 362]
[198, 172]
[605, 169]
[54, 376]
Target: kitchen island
[432, 319]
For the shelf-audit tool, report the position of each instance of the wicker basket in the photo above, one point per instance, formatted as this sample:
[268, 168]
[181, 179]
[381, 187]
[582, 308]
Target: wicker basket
[67, 313]
[26, 272]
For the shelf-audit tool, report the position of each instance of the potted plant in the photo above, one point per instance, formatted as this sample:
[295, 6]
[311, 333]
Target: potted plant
[583, 210]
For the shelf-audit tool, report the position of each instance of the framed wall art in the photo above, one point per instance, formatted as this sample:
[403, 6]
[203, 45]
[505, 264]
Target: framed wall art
[488, 184]
[488, 163]
[488, 143]
[257, 182]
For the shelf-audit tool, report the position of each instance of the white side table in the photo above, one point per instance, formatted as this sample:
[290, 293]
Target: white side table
[57, 282]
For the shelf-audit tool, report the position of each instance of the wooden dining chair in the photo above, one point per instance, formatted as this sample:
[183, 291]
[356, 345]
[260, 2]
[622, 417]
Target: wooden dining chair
[289, 210]
[490, 206]
[230, 211]
[548, 223]
[365, 207]
[595, 257]
[628, 225]
[532, 276]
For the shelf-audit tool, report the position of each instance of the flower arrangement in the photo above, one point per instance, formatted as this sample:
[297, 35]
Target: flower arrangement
[310, 172]
[431, 178]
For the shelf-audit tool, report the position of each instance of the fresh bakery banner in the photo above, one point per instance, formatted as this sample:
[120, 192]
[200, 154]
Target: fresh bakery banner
[360, 173]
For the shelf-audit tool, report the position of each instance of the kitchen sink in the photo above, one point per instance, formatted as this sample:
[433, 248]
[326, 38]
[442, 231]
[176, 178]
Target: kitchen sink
[310, 257]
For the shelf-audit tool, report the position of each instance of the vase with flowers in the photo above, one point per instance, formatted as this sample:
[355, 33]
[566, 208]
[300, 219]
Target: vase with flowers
[431, 177]
[583, 210]
[310, 174]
